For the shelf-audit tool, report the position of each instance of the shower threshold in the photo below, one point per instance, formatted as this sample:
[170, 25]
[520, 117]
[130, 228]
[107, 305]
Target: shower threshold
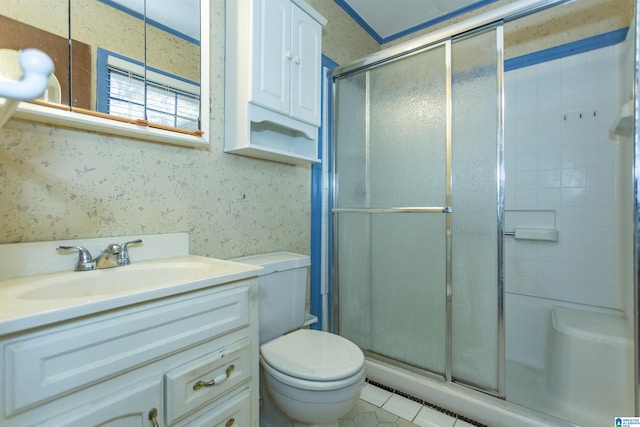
[480, 408]
[433, 406]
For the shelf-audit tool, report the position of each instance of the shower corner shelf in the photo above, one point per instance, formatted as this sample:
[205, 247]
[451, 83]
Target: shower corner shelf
[37, 67]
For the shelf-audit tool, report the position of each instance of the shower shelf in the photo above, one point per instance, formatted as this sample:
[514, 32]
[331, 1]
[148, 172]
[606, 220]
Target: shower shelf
[540, 234]
[37, 67]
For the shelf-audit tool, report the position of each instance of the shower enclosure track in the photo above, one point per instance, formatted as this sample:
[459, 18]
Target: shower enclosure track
[509, 12]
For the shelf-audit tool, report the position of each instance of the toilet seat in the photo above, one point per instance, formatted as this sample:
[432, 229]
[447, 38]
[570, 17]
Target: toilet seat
[313, 355]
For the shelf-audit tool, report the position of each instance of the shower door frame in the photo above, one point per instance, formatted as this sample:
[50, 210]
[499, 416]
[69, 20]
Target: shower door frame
[497, 28]
[495, 18]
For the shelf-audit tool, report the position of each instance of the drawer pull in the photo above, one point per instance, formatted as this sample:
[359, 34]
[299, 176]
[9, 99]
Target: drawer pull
[230, 422]
[153, 417]
[217, 380]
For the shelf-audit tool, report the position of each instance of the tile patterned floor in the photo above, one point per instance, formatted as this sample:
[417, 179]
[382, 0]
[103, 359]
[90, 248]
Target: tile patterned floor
[381, 408]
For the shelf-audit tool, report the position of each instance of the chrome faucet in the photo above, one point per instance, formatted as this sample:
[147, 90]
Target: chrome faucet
[113, 256]
[109, 257]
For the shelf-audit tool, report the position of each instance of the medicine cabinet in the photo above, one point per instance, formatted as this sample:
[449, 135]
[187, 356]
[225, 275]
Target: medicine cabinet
[122, 67]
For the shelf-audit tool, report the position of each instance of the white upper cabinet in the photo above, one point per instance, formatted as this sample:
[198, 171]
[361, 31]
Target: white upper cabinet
[286, 60]
[272, 102]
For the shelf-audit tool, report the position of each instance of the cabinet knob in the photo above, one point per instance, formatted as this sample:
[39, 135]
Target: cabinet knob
[289, 55]
[296, 60]
[153, 417]
[230, 422]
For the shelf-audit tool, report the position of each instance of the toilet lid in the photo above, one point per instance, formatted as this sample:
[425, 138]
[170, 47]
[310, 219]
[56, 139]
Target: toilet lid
[313, 355]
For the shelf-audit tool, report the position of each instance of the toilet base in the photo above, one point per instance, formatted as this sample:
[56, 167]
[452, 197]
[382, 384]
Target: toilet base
[271, 416]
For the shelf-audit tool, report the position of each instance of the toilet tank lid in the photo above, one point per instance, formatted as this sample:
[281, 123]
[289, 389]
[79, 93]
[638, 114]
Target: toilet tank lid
[276, 261]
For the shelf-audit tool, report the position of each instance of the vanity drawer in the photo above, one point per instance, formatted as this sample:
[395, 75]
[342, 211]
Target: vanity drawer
[58, 360]
[205, 379]
[233, 412]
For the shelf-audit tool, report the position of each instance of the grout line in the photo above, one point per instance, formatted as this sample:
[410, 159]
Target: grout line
[428, 404]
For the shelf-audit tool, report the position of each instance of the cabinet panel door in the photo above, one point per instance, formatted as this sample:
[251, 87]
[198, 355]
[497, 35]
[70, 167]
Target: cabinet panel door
[235, 412]
[123, 408]
[271, 54]
[306, 67]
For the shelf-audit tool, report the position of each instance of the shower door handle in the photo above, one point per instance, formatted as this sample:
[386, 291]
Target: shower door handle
[439, 209]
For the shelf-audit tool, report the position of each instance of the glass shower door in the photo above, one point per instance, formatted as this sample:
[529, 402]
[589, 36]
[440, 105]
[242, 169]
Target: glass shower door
[476, 231]
[417, 210]
[390, 166]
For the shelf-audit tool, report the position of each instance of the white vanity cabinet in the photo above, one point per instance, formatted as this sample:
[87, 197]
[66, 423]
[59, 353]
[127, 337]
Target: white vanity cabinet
[184, 360]
[273, 79]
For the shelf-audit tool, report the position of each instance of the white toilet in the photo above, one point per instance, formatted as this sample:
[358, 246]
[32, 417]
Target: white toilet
[307, 377]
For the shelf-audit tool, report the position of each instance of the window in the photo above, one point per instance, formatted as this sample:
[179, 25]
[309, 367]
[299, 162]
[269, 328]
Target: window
[161, 99]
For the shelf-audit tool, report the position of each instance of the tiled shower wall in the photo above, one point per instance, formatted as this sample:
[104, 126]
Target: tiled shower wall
[563, 170]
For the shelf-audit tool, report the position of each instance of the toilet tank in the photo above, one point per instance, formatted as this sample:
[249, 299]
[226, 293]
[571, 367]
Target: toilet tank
[283, 291]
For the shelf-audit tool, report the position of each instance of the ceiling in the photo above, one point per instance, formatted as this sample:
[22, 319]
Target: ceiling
[387, 20]
[384, 20]
[181, 16]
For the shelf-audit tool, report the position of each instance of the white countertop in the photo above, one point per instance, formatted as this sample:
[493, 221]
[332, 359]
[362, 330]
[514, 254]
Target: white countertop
[36, 300]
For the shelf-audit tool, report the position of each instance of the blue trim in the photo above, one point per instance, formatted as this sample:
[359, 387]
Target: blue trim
[573, 48]
[315, 292]
[150, 21]
[382, 40]
[102, 78]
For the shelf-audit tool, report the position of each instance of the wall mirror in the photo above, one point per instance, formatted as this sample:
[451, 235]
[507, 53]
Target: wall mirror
[137, 68]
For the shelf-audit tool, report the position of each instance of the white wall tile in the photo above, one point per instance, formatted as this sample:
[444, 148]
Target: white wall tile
[599, 216]
[549, 178]
[574, 171]
[550, 197]
[574, 177]
[576, 196]
[601, 196]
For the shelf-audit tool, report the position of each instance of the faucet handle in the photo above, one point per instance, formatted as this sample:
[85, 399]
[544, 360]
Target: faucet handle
[123, 258]
[85, 261]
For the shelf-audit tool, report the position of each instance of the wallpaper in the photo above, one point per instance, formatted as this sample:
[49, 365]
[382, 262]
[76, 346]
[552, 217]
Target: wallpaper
[59, 183]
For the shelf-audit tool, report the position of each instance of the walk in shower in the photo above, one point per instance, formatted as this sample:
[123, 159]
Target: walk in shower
[480, 253]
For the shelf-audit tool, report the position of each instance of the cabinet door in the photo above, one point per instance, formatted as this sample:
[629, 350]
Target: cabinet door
[132, 407]
[271, 54]
[234, 412]
[306, 36]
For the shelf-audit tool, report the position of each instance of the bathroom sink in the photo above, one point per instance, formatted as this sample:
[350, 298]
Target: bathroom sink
[118, 280]
[40, 299]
